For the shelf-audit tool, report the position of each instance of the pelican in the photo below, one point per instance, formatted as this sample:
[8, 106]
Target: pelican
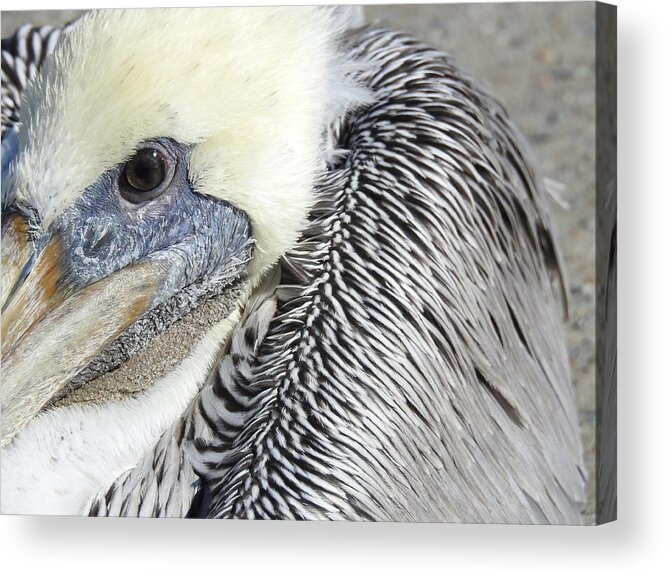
[323, 251]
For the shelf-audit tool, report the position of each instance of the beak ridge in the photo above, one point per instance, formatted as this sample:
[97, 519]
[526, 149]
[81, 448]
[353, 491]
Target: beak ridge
[50, 331]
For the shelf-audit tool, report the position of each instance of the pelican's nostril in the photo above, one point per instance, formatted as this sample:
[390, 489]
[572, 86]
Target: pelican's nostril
[94, 240]
[99, 245]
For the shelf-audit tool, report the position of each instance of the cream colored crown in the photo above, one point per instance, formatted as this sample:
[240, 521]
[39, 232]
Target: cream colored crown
[249, 88]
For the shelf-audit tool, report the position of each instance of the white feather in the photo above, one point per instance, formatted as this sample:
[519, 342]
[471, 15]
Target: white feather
[250, 89]
[63, 457]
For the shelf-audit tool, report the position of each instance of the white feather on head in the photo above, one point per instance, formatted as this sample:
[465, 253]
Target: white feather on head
[251, 89]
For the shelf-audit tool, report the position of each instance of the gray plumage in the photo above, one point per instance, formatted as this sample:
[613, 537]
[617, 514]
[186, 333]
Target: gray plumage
[22, 56]
[407, 361]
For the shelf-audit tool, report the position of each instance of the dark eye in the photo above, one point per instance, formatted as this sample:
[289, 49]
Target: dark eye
[146, 175]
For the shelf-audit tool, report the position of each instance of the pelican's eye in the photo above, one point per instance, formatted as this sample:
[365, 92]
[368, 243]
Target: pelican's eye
[146, 175]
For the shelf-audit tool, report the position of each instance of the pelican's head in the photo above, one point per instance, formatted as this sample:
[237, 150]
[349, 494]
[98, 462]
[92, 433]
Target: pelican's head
[162, 155]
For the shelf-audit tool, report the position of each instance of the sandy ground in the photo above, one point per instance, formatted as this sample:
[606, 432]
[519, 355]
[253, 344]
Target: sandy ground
[538, 59]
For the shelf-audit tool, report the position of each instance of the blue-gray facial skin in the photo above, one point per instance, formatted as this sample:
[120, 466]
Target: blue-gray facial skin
[204, 244]
[197, 238]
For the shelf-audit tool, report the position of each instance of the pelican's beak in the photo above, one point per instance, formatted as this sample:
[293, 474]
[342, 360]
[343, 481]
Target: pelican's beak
[51, 329]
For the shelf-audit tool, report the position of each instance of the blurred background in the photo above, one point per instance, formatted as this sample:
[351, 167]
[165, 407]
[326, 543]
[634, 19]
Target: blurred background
[539, 61]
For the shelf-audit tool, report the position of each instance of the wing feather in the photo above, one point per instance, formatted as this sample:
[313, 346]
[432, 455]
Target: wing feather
[412, 364]
[23, 54]
[420, 372]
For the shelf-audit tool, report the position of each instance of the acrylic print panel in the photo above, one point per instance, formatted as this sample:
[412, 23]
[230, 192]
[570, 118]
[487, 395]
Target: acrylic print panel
[273, 263]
